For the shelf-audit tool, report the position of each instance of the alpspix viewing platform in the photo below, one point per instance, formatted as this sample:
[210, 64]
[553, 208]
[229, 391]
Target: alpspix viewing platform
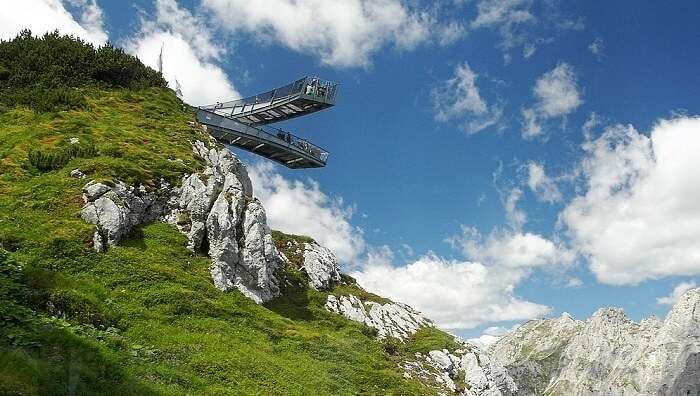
[243, 123]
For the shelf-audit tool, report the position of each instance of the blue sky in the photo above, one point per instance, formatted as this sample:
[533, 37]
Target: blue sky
[438, 191]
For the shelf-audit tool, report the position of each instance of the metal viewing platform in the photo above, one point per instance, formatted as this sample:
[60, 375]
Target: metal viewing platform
[272, 143]
[302, 97]
[243, 123]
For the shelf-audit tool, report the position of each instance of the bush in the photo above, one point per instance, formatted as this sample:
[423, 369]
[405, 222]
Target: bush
[391, 346]
[4, 73]
[58, 158]
[43, 72]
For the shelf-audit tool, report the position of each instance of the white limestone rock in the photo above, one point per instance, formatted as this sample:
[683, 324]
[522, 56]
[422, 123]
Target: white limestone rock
[116, 210]
[390, 319]
[321, 265]
[531, 352]
[465, 371]
[215, 209]
[610, 354]
[77, 174]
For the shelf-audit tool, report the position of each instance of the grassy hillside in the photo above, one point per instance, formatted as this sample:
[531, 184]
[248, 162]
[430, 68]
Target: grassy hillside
[142, 318]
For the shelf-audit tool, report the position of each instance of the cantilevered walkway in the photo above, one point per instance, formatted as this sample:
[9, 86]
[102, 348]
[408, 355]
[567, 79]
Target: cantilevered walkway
[244, 122]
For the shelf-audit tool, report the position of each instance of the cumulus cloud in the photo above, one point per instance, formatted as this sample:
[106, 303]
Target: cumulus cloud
[459, 99]
[676, 294]
[491, 335]
[557, 94]
[41, 16]
[300, 207]
[340, 33]
[476, 290]
[512, 249]
[638, 216]
[190, 54]
[455, 294]
[544, 187]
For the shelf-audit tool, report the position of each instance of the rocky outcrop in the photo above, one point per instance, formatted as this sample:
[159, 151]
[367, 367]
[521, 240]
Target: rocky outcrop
[215, 209]
[467, 371]
[611, 354]
[321, 266]
[217, 212]
[532, 351]
[390, 319]
[115, 209]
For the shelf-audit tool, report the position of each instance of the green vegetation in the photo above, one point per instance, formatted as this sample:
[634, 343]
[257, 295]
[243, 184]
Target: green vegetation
[142, 318]
[428, 339]
[43, 73]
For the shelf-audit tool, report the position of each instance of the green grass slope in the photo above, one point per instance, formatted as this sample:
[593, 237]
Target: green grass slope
[144, 317]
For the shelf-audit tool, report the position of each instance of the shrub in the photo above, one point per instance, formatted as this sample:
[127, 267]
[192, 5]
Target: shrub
[4, 73]
[58, 158]
[42, 72]
[391, 346]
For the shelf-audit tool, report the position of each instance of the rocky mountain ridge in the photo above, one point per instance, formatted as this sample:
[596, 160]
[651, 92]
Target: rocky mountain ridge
[608, 354]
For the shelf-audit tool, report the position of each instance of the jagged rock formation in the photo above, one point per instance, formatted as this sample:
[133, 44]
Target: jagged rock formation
[532, 352]
[215, 209]
[321, 266]
[217, 212]
[467, 371]
[116, 209]
[609, 354]
[390, 319]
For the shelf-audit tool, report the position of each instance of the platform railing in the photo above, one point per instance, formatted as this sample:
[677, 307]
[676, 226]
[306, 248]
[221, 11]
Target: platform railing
[310, 86]
[301, 144]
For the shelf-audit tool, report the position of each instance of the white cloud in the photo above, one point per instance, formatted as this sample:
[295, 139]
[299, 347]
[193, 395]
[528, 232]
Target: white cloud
[41, 16]
[500, 13]
[449, 32]
[676, 294]
[557, 94]
[542, 185]
[531, 124]
[341, 33]
[190, 53]
[515, 216]
[485, 340]
[491, 335]
[459, 98]
[508, 17]
[300, 207]
[574, 282]
[596, 47]
[512, 249]
[592, 122]
[639, 215]
[529, 50]
[455, 294]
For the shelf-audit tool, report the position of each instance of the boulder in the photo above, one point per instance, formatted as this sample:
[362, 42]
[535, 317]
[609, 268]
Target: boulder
[321, 266]
[389, 319]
